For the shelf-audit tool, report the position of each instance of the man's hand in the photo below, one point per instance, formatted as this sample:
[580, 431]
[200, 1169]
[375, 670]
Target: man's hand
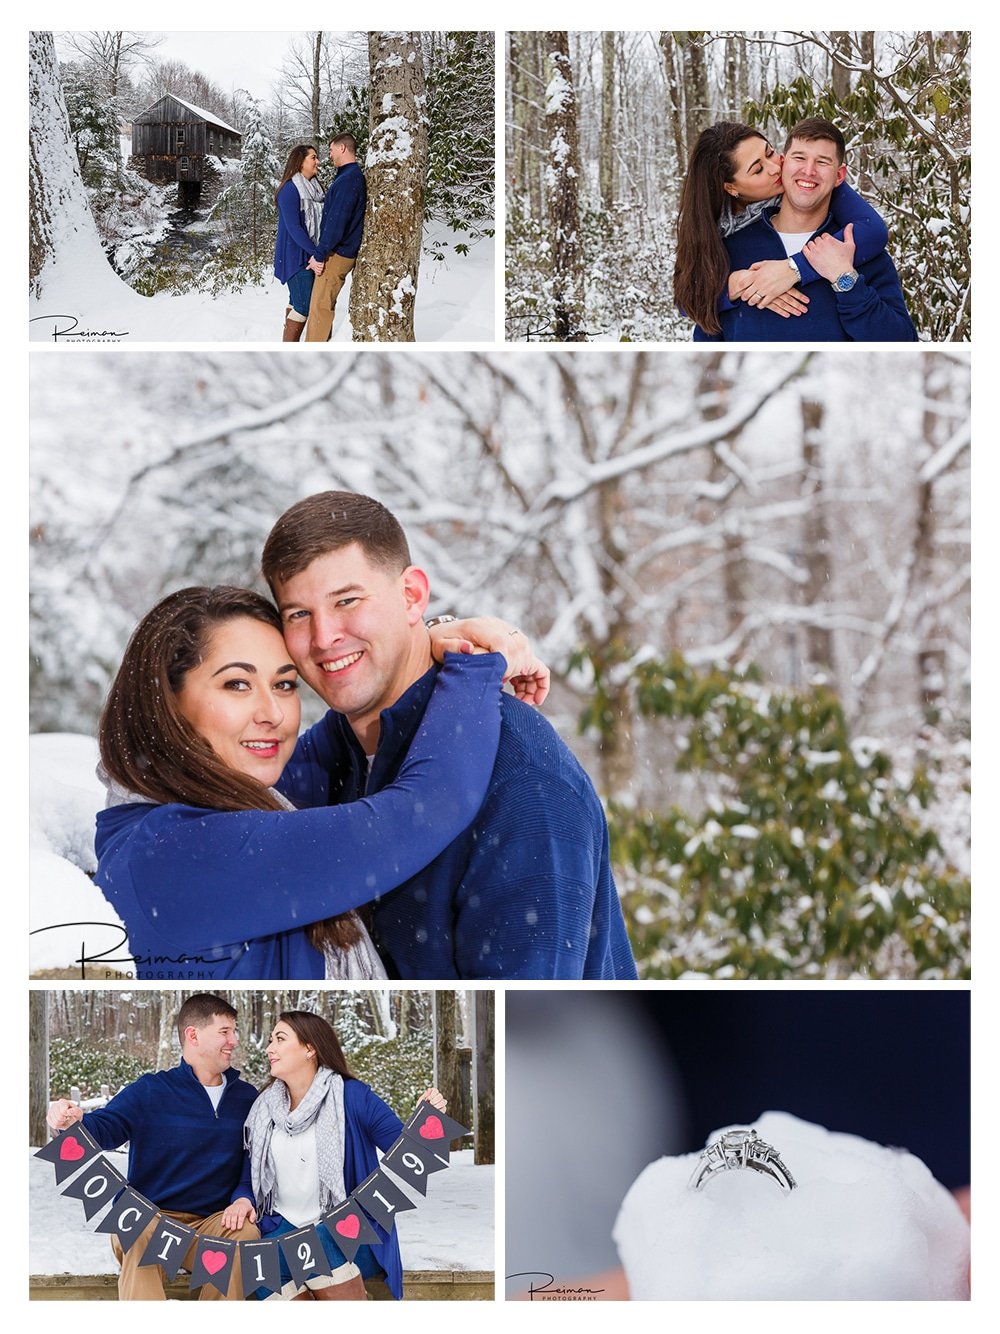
[317, 265]
[62, 1114]
[436, 1099]
[239, 1212]
[527, 675]
[830, 257]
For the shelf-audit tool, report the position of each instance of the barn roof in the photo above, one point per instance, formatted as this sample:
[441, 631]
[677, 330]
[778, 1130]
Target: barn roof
[199, 112]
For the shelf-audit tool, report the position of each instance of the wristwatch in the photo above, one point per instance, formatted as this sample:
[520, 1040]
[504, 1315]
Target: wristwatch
[846, 281]
[793, 266]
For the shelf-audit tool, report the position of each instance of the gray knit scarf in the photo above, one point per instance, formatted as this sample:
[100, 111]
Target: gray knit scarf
[324, 1105]
[311, 195]
[731, 221]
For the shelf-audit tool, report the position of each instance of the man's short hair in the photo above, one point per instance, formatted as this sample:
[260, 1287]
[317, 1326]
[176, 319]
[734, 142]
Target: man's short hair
[329, 522]
[197, 1011]
[815, 127]
[348, 141]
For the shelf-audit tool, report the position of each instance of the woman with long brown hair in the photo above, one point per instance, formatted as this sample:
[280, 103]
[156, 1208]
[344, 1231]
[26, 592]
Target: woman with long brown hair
[209, 866]
[733, 177]
[299, 198]
[312, 1136]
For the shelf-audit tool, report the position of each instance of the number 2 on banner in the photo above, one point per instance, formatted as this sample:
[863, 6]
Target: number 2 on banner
[411, 1161]
[305, 1255]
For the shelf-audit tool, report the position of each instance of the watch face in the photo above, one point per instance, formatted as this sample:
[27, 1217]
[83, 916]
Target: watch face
[846, 281]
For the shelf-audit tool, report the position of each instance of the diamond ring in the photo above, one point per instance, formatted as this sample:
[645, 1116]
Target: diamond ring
[736, 1150]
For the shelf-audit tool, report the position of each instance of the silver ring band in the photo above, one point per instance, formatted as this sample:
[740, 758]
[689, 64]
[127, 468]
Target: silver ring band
[740, 1150]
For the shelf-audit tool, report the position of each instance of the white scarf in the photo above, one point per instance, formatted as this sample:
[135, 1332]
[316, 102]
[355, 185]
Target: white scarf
[312, 196]
[323, 1105]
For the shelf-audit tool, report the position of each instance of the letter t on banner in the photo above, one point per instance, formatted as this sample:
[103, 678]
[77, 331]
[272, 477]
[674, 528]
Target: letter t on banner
[168, 1246]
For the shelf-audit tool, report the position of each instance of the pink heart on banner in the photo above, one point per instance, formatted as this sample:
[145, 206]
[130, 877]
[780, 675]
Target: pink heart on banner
[432, 1128]
[214, 1260]
[70, 1149]
[349, 1226]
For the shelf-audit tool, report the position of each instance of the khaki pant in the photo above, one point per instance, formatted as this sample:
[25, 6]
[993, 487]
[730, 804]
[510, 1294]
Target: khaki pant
[326, 289]
[145, 1284]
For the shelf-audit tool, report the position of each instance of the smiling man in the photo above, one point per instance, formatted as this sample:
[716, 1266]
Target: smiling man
[857, 303]
[526, 890]
[184, 1130]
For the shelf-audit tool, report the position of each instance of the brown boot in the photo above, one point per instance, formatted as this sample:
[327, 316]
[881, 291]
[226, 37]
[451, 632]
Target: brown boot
[352, 1291]
[293, 330]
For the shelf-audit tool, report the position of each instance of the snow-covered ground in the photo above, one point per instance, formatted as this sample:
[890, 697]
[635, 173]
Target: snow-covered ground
[64, 796]
[82, 294]
[451, 1229]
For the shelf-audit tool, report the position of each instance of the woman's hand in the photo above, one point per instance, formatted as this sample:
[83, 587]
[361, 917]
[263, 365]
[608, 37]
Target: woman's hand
[526, 673]
[436, 1099]
[769, 279]
[239, 1212]
[789, 303]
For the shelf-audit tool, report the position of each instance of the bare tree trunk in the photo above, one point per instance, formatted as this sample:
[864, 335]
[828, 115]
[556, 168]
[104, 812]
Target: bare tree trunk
[675, 98]
[607, 148]
[384, 285]
[483, 1069]
[931, 636]
[38, 1067]
[819, 640]
[169, 1005]
[697, 111]
[563, 171]
[315, 90]
[840, 75]
[446, 1040]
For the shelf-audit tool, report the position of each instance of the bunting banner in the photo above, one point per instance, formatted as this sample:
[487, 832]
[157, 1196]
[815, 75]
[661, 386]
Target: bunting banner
[421, 1150]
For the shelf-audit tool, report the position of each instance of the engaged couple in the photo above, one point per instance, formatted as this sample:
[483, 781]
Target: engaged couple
[780, 248]
[429, 826]
[216, 1158]
[319, 236]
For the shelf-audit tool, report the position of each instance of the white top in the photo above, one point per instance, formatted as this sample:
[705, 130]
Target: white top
[793, 241]
[215, 1092]
[296, 1191]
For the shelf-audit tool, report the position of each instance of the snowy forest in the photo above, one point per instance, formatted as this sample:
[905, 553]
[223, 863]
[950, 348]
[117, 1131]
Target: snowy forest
[600, 126]
[749, 572]
[421, 106]
[399, 1042]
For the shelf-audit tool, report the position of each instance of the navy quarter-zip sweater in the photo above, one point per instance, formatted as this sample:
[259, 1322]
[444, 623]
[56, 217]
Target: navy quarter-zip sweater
[526, 891]
[873, 311]
[183, 1154]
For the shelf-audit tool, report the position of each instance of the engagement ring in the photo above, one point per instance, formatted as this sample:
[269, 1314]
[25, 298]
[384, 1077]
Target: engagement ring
[736, 1150]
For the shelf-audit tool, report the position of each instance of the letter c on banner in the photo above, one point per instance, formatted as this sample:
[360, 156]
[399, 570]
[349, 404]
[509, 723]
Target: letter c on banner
[121, 1226]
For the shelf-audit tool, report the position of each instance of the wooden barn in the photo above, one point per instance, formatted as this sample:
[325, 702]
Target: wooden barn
[173, 138]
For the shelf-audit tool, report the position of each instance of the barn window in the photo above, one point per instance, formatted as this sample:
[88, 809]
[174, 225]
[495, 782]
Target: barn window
[180, 139]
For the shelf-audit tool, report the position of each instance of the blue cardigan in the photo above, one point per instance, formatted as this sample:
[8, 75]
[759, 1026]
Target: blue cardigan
[526, 891]
[369, 1124]
[183, 1155]
[229, 894]
[873, 311]
[293, 247]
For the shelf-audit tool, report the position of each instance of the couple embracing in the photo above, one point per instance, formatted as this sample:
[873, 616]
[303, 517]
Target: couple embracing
[319, 236]
[778, 247]
[429, 826]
